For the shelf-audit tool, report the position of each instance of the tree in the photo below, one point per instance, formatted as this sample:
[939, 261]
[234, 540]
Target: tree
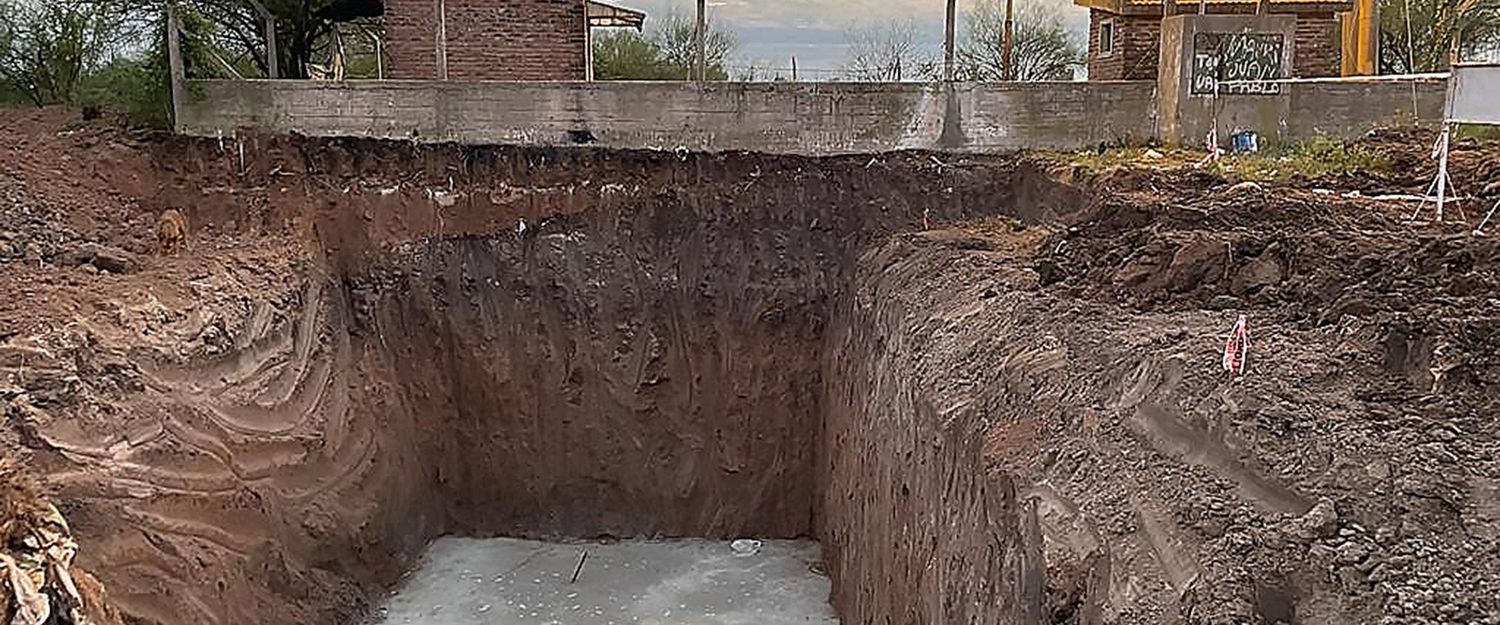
[1418, 35]
[47, 48]
[302, 28]
[675, 37]
[1044, 47]
[627, 55]
[667, 53]
[888, 52]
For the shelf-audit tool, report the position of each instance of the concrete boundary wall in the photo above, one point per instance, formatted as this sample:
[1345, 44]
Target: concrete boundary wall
[1339, 108]
[1349, 107]
[800, 118]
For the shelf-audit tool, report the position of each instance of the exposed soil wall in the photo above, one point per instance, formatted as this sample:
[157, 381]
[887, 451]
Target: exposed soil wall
[908, 502]
[481, 341]
[369, 344]
[651, 366]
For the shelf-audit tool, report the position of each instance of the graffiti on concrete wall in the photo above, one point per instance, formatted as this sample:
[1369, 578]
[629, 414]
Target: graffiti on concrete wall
[1237, 63]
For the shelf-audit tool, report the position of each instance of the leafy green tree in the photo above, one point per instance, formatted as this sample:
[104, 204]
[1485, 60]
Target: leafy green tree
[627, 55]
[46, 48]
[1418, 35]
[302, 29]
[1044, 47]
[668, 52]
[674, 35]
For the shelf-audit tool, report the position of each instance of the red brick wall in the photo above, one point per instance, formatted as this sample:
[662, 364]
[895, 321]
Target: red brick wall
[1319, 51]
[1137, 45]
[410, 42]
[488, 39]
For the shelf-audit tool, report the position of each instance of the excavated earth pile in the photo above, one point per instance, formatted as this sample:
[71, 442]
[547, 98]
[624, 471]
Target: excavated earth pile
[990, 387]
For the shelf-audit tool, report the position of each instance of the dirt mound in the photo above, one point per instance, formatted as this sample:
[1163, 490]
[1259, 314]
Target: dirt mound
[1271, 246]
[1410, 167]
[1372, 369]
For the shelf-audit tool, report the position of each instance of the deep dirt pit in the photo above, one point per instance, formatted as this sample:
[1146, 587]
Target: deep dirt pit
[983, 415]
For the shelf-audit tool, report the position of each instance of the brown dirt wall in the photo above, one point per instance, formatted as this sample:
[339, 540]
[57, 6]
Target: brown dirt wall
[991, 389]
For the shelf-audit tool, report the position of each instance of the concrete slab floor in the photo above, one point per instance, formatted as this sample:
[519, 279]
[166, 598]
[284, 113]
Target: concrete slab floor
[503, 581]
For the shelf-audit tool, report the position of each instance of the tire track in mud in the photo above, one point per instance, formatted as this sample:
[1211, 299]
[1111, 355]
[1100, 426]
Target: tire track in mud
[1153, 386]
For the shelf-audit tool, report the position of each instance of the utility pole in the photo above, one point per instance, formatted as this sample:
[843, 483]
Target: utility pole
[948, 40]
[442, 39]
[175, 70]
[700, 42]
[1009, 53]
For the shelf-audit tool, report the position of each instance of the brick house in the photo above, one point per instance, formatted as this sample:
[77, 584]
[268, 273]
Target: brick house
[515, 40]
[1125, 35]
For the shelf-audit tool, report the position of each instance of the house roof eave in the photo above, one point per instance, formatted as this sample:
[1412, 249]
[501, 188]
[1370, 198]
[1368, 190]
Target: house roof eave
[608, 15]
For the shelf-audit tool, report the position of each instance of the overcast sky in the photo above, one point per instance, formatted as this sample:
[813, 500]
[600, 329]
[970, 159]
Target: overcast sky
[772, 31]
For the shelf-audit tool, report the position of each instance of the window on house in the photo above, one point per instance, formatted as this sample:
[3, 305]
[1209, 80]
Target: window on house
[1106, 38]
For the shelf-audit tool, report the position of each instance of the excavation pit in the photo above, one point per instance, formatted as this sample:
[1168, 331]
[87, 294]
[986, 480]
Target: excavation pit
[570, 345]
[984, 385]
[503, 581]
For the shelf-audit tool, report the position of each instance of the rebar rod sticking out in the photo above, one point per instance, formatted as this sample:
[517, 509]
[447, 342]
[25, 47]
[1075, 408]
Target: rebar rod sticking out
[579, 569]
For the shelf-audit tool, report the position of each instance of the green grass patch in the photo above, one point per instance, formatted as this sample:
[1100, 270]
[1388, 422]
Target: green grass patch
[1312, 158]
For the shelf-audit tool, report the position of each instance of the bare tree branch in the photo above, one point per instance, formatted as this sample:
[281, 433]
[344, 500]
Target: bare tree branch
[888, 52]
[1044, 48]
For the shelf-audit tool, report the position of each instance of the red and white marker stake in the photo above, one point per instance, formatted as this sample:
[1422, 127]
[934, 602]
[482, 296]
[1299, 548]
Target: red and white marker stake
[1237, 348]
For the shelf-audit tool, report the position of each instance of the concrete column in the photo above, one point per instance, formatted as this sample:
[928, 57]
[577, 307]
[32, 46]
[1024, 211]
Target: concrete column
[1369, 36]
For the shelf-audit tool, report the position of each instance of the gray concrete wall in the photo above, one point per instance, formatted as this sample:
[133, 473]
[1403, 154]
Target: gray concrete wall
[1186, 115]
[801, 118]
[1279, 110]
[1339, 108]
[1348, 107]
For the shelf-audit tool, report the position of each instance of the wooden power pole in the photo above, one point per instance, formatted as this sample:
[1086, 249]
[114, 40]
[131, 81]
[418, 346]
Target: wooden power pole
[948, 40]
[700, 42]
[1009, 52]
[176, 72]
